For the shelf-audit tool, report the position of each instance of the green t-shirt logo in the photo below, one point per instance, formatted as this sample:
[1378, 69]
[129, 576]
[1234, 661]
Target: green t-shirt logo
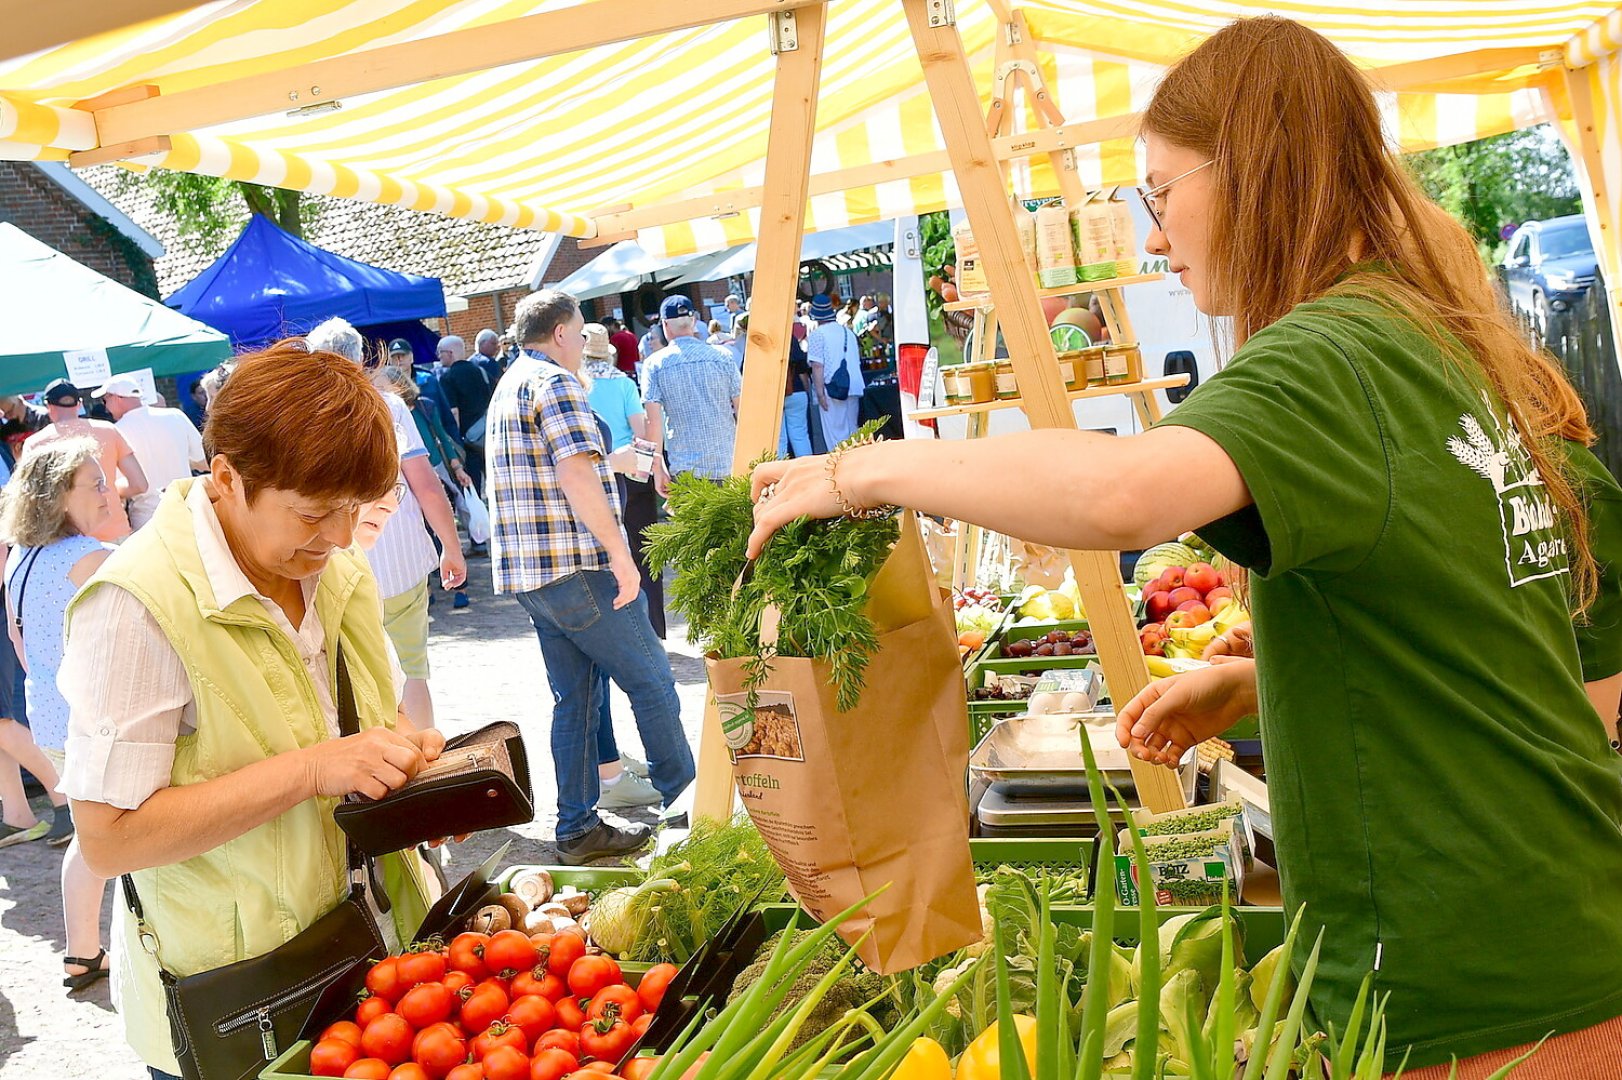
[1533, 550]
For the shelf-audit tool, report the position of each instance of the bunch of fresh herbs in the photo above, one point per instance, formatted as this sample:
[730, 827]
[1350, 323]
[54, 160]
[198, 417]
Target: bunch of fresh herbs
[815, 572]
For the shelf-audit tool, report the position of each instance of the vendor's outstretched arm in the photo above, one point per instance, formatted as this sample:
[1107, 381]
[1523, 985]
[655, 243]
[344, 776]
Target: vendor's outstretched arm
[1069, 489]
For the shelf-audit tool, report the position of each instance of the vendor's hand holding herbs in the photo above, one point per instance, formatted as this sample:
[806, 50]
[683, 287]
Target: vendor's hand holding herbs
[785, 490]
[1175, 713]
[372, 763]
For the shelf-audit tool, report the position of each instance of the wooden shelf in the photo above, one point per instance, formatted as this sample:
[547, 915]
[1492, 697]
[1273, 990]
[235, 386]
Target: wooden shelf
[1147, 386]
[984, 302]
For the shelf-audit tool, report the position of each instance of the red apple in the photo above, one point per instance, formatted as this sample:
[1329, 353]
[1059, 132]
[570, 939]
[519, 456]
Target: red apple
[1153, 628]
[1218, 596]
[1180, 620]
[1199, 612]
[1158, 605]
[1202, 576]
[1171, 578]
[1052, 306]
[1153, 644]
[1179, 597]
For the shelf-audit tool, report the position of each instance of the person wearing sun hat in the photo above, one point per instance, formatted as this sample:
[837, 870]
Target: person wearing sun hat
[836, 366]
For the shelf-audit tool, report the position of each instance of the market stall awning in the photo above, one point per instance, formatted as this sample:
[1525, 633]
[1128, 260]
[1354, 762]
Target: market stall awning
[52, 305]
[270, 283]
[819, 245]
[558, 116]
[621, 269]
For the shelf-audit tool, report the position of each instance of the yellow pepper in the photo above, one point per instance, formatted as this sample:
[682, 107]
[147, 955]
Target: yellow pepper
[983, 1059]
[926, 1060]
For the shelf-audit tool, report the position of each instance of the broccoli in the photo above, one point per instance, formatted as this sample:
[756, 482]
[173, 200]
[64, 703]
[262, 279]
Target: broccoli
[857, 989]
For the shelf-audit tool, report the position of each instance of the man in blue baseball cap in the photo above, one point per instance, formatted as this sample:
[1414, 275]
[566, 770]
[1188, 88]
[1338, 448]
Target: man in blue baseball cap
[691, 390]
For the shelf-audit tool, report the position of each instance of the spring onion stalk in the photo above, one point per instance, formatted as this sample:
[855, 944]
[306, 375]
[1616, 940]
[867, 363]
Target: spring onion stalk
[1095, 999]
[1275, 995]
[888, 1054]
[1221, 1047]
[1010, 1051]
[1146, 1049]
[1278, 1065]
[798, 1015]
[1341, 1051]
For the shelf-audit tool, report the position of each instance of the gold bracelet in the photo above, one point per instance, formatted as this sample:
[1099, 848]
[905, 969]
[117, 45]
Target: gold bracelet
[846, 508]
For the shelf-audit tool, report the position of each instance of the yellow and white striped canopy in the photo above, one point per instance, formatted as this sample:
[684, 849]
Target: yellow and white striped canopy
[548, 143]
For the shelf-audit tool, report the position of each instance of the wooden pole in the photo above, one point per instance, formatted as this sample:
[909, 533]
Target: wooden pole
[986, 200]
[771, 308]
[1593, 161]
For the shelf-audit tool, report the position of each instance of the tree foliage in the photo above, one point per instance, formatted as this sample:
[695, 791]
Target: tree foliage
[210, 210]
[1503, 180]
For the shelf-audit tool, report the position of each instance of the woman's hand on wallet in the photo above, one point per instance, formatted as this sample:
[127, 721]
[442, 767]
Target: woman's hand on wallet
[372, 763]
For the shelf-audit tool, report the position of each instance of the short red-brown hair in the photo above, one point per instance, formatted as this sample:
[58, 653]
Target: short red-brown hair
[306, 422]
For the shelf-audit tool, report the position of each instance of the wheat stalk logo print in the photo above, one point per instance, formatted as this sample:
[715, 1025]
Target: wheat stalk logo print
[1477, 452]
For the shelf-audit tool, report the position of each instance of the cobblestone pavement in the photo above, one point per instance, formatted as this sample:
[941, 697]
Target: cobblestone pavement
[487, 666]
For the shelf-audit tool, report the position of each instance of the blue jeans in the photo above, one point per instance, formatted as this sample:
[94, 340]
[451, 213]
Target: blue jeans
[607, 749]
[156, 1075]
[796, 433]
[579, 630]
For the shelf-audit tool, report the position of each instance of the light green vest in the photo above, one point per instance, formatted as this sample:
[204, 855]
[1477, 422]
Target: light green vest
[254, 699]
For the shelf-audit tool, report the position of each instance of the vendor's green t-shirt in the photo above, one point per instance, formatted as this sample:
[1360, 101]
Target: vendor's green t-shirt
[1599, 635]
[1446, 805]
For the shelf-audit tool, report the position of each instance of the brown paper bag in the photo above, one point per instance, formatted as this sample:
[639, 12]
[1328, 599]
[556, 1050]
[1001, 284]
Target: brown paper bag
[848, 802]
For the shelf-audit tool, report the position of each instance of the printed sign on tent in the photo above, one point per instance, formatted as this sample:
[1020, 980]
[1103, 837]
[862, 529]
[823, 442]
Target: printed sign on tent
[87, 368]
[149, 387]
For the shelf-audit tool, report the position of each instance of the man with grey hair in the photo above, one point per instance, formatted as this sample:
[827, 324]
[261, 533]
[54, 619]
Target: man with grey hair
[404, 555]
[488, 346]
[558, 544]
[735, 311]
[467, 388]
[691, 389]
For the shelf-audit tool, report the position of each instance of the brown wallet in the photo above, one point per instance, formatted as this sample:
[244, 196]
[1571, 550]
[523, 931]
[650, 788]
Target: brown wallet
[480, 781]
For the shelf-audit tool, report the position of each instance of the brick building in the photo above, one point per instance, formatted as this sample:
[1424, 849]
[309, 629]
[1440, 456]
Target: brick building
[49, 202]
[486, 269]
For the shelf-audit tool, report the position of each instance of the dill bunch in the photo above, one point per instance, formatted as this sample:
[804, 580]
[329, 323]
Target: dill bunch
[816, 571]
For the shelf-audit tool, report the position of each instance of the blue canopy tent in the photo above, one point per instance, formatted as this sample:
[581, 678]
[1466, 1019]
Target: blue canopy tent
[52, 305]
[270, 284]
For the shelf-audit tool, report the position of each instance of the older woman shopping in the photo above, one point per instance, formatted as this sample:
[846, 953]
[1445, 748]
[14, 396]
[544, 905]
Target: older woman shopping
[203, 668]
[48, 512]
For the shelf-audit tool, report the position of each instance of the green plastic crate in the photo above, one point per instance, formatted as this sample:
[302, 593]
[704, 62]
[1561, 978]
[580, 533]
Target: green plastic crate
[1031, 631]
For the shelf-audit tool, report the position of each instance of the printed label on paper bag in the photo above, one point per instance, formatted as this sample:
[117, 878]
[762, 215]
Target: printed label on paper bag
[771, 729]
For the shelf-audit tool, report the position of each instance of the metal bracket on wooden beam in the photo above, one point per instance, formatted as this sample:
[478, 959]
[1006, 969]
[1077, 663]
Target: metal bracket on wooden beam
[785, 31]
[942, 13]
[1549, 59]
[105, 155]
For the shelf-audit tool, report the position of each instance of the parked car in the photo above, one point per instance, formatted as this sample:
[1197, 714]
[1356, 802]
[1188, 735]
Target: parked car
[1549, 265]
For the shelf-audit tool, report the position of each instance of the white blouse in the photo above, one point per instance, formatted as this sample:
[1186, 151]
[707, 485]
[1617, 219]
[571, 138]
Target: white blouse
[128, 695]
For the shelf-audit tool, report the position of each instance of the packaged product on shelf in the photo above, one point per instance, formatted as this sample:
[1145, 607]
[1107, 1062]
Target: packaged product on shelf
[1095, 241]
[1025, 225]
[981, 380]
[971, 275]
[956, 383]
[1125, 235]
[1092, 365]
[1007, 386]
[1123, 363]
[1055, 247]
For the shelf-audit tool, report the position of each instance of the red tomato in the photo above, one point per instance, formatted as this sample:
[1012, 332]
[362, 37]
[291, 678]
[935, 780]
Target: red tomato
[651, 987]
[570, 1015]
[616, 1002]
[409, 1071]
[506, 1063]
[543, 947]
[497, 1034]
[384, 979]
[438, 1049]
[331, 1057]
[639, 1068]
[473, 1070]
[530, 982]
[639, 1026]
[370, 1010]
[420, 967]
[552, 1064]
[504, 985]
[368, 1069]
[458, 981]
[483, 1007]
[560, 1039]
[428, 1004]
[467, 954]
[534, 1014]
[598, 1067]
[553, 988]
[388, 1037]
[509, 951]
[606, 1040]
[347, 1030]
[590, 974]
[566, 949]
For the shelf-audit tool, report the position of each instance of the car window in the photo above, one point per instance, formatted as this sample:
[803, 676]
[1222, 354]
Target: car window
[1565, 241]
[1518, 246]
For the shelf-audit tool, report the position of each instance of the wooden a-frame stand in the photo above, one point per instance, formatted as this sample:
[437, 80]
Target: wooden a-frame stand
[984, 188]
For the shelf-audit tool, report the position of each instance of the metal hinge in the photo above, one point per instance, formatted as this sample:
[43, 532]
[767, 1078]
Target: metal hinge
[785, 32]
[942, 13]
[1549, 59]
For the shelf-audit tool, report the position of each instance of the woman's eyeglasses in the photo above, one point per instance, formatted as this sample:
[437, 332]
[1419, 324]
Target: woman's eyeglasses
[1151, 197]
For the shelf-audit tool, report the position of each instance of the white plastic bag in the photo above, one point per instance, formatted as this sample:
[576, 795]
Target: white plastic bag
[478, 518]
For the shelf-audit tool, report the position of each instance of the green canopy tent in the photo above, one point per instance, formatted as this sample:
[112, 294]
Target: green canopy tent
[60, 317]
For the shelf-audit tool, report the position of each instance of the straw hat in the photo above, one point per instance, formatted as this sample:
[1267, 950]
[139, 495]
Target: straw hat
[598, 347]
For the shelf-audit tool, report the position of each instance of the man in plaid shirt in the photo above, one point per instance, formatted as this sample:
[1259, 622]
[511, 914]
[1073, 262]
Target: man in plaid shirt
[558, 544]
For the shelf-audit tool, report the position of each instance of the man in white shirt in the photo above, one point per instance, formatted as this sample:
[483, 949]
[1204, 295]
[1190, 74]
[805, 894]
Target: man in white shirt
[165, 441]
